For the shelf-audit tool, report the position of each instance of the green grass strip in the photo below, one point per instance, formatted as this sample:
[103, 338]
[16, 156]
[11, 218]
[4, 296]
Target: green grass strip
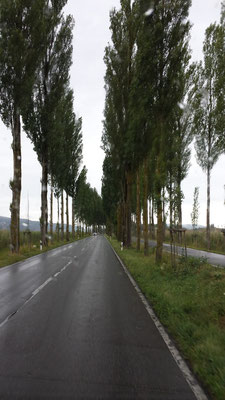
[189, 300]
[7, 258]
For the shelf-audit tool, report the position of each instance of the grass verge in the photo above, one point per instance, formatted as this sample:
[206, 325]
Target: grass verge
[7, 258]
[190, 302]
[197, 240]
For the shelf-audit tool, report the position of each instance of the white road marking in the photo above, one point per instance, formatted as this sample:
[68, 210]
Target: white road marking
[6, 320]
[37, 291]
[40, 288]
[191, 380]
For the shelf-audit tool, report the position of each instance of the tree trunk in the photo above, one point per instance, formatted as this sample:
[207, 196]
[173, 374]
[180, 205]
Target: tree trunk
[150, 217]
[138, 213]
[58, 218]
[16, 185]
[164, 215]
[119, 223]
[179, 200]
[145, 208]
[171, 201]
[67, 218]
[153, 222]
[73, 220]
[179, 212]
[44, 201]
[208, 210]
[62, 216]
[51, 213]
[159, 247]
[128, 209]
[123, 219]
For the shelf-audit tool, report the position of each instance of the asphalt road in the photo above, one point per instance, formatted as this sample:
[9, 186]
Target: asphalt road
[212, 258]
[73, 326]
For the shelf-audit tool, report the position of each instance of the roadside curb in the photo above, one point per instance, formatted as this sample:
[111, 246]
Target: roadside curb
[188, 375]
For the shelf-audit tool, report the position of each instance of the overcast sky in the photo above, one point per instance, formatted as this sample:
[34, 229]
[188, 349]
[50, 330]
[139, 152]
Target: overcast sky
[91, 35]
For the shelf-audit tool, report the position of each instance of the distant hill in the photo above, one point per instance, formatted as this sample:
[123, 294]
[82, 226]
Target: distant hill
[189, 226]
[33, 225]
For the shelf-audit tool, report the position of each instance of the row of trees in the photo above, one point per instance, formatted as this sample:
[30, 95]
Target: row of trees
[156, 102]
[35, 59]
[87, 209]
[88, 203]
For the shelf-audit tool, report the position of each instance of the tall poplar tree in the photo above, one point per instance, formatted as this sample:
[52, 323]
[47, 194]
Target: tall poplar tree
[205, 113]
[119, 60]
[22, 34]
[162, 56]
[51, 80]
[111, 196]
[178, 161]
[219, 38]
[67, 148]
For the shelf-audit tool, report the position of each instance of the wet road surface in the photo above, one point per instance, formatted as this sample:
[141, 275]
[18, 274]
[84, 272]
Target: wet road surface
[73, 327]
[212, 258]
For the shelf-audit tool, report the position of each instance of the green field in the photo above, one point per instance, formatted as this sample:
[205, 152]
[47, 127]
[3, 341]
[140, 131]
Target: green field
[197, 240]
[26, 250]
[189, 300]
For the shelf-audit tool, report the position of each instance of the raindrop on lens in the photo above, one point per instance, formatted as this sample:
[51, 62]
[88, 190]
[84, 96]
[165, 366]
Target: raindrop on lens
[148, 12]
[181, 105]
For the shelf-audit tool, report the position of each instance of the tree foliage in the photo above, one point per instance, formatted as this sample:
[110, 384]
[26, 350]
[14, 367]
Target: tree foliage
[22, 33]
[142, 117]
[195, 210]
[88, 203]
[206, 108]
[43, 124]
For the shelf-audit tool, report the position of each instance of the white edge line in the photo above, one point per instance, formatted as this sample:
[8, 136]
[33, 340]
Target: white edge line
[191, 380]
[38, 290]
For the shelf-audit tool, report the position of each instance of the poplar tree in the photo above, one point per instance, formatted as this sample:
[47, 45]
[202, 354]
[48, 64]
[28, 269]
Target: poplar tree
[51, 82]
[162, 56]
[69, 154]
[119, 60]
[178, 161]
[195, 210]
[219, 38]
[80, 193]
[88, 203]
[206, 118]
[111, 196]
[22, 34]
